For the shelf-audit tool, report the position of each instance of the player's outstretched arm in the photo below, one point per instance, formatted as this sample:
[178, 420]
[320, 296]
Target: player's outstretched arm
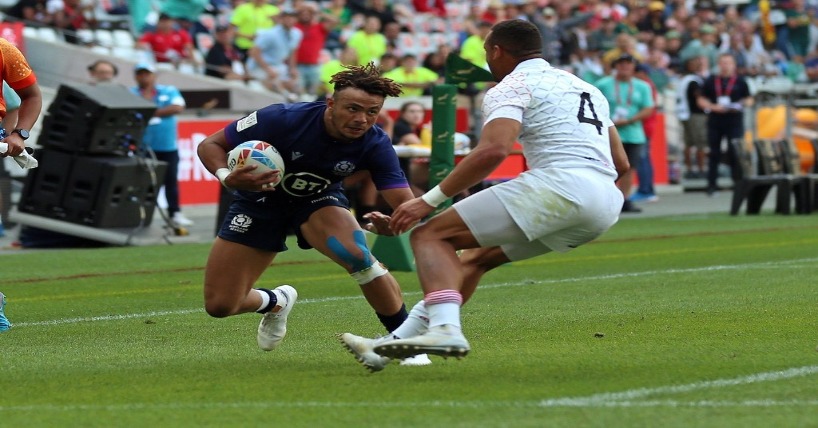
[379, 222]
[496, 141]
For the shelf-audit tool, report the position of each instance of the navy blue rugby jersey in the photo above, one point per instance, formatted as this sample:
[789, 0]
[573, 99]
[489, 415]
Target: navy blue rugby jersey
[314, 161]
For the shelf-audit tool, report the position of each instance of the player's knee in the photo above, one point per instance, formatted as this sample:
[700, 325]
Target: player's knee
[218, 309]
[480, 261]
[418, 234]
[423, 233]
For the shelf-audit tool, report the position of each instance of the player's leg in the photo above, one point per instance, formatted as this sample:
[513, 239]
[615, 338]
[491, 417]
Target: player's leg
[333, 231]
[476, 262]
[249, 239]
[232, 270]
[477, 224]
[230, 273]
[441, 273]
[435, 244]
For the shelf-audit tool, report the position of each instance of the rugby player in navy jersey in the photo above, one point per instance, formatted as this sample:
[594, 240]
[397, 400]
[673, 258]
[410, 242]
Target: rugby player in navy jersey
[321, 144]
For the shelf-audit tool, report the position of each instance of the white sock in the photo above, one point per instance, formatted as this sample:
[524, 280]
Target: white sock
[416, 323]
[444, 313]
[265, 299]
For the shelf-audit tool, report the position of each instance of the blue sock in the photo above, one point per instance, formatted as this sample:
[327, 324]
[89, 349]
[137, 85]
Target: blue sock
[391, 322]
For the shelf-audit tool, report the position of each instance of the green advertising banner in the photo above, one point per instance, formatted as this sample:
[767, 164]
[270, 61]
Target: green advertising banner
[441, 162]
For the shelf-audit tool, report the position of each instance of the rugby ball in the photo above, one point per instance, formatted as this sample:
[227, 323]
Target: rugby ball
[257, 153]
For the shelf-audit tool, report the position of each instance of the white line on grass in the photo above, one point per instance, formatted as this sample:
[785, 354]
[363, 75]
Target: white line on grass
[613, 399]
[483, 286]
[105, 318]
[624, 397]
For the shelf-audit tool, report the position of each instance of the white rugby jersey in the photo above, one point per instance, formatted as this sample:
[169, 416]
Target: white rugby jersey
[565, 120]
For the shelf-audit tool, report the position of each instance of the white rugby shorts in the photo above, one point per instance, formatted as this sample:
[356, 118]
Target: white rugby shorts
[542, 211]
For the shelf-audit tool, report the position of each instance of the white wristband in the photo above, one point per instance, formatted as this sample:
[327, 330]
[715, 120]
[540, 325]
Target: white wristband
[222, 174]
[434, 197]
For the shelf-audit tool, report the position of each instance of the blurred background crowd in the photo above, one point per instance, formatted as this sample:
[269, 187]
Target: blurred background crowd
[285, 44]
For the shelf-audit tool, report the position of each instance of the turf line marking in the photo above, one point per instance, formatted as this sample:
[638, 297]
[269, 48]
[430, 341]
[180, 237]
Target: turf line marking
[105, 318]
[711, 403]
[617, 398]
[610, 399]
[653, 272]
[412, 293]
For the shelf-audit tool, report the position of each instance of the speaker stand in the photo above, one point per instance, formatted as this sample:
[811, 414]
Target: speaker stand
[151, 235]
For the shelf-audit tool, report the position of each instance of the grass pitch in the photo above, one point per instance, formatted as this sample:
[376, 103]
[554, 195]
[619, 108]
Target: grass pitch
[674, 322]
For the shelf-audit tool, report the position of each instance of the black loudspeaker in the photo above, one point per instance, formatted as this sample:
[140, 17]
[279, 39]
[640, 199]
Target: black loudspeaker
[97, 191]
[96, 119]
[113, 191]
[44, 186]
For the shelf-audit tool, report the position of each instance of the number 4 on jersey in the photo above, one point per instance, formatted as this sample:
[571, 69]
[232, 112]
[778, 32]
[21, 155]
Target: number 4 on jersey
[586, 98]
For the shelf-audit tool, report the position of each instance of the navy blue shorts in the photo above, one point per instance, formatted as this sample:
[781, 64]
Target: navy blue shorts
[265, 223]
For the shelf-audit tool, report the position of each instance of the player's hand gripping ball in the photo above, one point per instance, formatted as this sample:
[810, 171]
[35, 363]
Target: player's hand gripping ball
[257, 153]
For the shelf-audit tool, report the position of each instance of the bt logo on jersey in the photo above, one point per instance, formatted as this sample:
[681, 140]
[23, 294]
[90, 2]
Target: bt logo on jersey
[304, 184]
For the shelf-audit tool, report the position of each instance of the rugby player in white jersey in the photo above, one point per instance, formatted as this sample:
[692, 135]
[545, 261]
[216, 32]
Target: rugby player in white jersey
[566, 198]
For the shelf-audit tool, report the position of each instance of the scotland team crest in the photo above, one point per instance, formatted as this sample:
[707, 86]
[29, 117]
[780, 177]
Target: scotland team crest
[344, 168]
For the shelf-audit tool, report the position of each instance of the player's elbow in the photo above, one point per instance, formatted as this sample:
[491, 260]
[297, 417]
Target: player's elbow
[494, 153]
[489, 158]
[622, 167]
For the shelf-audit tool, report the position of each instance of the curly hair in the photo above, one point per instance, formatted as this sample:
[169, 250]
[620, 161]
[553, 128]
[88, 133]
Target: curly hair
[366, 78]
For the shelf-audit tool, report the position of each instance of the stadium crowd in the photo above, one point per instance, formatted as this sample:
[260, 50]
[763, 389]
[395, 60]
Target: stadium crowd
[584, 36]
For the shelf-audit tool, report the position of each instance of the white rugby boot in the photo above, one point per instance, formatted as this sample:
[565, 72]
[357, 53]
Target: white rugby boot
[417, 360]
[444, 340]
[273, 325]
[361, 348]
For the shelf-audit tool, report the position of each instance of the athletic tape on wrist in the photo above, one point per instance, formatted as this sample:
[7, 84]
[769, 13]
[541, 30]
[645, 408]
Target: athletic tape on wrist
[434, 197]
[222, 174]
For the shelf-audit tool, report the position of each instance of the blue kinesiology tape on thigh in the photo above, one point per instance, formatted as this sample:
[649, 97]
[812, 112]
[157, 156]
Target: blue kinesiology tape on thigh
[360, 241]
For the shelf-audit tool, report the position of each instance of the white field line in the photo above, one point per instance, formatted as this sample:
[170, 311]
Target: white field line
[625, 397]
[482, 286]
[614, 399]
